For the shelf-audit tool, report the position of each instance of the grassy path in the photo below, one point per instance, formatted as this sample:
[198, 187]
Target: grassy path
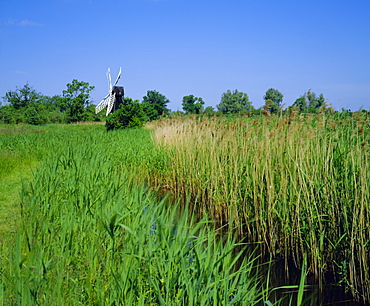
[9, 199]
[10, 187]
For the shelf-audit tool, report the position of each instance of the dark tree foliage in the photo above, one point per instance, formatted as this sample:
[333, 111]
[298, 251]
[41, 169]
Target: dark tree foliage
[155, 104]
[150, 111]
[76, 99]
[25, 105]
[309, 102]
[10, 115]
[192, 105]
[209, 111]
[234, 102]
[36, 114]
[273, 99]
[22, 97]
[129, 115]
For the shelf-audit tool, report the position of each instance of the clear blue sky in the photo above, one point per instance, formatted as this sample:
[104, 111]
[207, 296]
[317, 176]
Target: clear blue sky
[182, 47]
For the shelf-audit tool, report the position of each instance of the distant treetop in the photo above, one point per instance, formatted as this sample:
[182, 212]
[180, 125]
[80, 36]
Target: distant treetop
[234, 102]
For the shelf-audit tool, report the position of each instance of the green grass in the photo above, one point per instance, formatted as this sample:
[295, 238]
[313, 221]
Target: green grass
[24, 147]
[18, 157]
[88, 230]
[79, 207]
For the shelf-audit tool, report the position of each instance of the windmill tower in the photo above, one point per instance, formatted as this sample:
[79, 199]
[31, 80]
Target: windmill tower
[114, 98]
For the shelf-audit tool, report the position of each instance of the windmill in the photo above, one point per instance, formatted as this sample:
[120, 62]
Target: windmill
[114, 98]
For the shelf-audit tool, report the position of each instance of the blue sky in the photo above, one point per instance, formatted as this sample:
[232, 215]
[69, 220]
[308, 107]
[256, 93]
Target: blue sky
[182, 47]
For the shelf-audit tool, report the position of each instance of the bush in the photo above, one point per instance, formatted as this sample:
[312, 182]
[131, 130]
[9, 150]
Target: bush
[129, 115]
[10, 115]
[36, 115]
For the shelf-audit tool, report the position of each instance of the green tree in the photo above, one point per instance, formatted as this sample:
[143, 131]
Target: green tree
[21, 98]
[309, 102]
[129, 115]
[8, 114]
[75, 99]
[155, 104]
[192, 105]
[54, 113]
[315, 102]
[209, 111]
[273, 99]
[301, 103]
[28, 106]
[234, 102]
[36, 114]
[90, 115]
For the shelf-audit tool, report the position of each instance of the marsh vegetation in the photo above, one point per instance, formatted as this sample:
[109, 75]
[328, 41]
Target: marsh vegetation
[189, 211]
[295, 185]
[88, 230]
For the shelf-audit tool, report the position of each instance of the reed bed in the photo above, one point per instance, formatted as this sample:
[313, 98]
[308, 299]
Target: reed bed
[90, 233]
[298, 186]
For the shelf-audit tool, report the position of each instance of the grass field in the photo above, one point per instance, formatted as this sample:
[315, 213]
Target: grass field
[81, 226]
[162, 216]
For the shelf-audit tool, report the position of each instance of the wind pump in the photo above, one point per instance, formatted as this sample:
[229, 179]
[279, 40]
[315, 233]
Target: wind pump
[114, 98]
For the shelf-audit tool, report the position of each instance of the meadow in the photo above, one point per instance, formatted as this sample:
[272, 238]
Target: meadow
[80, 225]
[189, 211]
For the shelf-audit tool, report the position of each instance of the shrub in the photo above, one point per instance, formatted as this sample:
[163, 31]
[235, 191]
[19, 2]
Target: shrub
[129, 115]
[36, 115]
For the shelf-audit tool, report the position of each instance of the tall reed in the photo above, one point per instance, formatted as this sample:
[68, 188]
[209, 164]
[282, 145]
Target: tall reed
[297, 185]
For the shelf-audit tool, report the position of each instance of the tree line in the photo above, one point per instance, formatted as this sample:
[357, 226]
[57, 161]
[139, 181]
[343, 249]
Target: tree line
[26, 105]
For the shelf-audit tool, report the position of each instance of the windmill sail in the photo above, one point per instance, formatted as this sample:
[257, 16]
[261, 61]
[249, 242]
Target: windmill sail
[111, 103]
[114, 96]
[109, 80]
[118, 77]
[103, 103]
